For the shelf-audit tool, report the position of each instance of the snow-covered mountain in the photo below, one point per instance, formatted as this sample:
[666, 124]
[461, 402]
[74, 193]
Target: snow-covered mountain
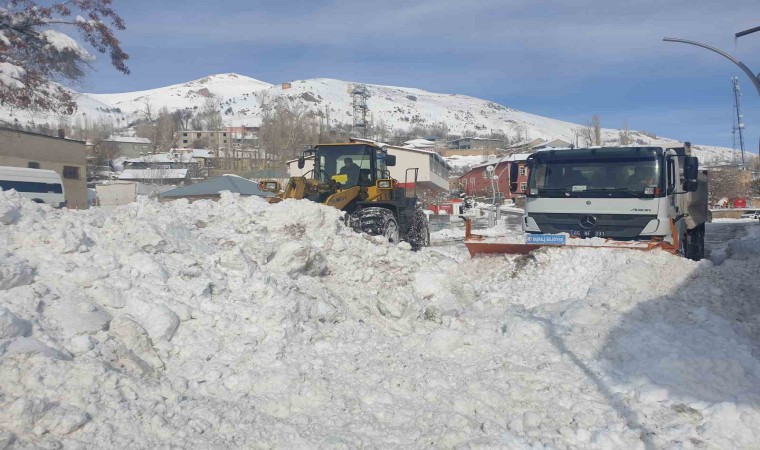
[396, 107]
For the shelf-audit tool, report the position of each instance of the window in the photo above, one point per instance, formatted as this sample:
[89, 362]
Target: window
[33, 165]
[184, 141]
[198, 135]
[225, 141]
[224, 134]
[30, 186]
[71, 172]
[523, 186]
[184, 134]
[522, 171]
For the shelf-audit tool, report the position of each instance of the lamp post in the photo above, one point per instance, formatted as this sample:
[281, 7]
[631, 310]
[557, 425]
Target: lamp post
[754, 78]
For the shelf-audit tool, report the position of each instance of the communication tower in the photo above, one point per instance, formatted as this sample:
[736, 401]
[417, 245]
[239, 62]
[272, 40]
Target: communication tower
[360, 94]
[739, 124]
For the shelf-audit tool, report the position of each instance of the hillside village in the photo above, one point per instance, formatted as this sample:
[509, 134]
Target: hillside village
[232, 124]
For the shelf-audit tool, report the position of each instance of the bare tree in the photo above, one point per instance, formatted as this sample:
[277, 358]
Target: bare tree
[729, 182]
[596, 122]
[286, 126]
[624, 135]
[34, 53]
[182, 117]
[586, 134]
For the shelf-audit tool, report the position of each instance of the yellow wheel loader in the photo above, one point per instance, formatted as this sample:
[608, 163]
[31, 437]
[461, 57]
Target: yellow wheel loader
[354, 177]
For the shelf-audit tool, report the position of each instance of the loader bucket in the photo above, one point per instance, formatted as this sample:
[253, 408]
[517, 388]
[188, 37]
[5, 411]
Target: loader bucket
[477, 244]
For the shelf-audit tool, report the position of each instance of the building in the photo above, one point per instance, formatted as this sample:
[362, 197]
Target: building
[173, 166]
[475, 143]
[476, 182]
[208, 139]
[156, 175]
[125, 146]
[39, 151]
[555, 143]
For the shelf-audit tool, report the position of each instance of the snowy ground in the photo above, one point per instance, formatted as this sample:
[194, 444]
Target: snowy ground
[241, 324]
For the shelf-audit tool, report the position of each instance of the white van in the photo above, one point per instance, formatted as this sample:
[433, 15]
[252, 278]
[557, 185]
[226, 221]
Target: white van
[38, 185]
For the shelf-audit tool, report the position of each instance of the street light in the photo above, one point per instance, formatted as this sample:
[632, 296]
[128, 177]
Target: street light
[754, 78]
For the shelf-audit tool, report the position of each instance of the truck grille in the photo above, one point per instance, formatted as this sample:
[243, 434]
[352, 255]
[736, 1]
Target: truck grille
[618, 226]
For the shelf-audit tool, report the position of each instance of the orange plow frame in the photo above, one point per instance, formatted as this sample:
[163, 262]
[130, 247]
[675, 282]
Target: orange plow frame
[477, 244]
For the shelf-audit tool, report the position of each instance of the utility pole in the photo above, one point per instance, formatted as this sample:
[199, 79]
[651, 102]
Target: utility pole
[739, 118]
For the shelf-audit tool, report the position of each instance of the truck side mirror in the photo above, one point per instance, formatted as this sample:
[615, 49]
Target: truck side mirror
[390, 160]
[301, 162]
[690, 173]
[690, 185]
[690, 167]
[514, 172]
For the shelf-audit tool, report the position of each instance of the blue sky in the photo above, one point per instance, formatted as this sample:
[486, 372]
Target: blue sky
[561, 59]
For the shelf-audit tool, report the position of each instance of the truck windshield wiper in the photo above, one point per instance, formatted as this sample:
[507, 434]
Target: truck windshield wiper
[564, 192]
[616, 190]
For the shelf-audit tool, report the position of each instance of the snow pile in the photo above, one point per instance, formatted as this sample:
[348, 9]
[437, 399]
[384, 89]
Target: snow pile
[242, 324]
[11, 75]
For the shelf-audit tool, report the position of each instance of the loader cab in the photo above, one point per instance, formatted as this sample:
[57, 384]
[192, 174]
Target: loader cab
[354, 164]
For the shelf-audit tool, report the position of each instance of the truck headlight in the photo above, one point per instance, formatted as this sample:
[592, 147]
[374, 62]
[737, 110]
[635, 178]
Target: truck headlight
[384, 184]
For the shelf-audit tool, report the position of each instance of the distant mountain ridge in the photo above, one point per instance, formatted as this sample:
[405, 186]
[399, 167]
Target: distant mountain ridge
[396, 107]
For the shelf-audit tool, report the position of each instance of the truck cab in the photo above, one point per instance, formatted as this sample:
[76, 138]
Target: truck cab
[618, 193]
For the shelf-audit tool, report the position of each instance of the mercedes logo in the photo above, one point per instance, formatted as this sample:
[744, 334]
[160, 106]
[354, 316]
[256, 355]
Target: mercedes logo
[588, 222]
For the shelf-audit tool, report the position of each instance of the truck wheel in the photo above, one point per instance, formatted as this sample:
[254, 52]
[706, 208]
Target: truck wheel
[694, 243]
[419, 231]
[376, 222]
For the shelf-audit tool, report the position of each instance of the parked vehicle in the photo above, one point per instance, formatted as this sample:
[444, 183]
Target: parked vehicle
[630, 197]
[38, 185]
[751, 215]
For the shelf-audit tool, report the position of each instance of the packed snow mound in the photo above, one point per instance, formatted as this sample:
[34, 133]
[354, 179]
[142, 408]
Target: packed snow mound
[240, 324]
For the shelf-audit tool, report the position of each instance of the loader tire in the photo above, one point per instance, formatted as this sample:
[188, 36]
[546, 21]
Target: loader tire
[419, 231]
[377, 222]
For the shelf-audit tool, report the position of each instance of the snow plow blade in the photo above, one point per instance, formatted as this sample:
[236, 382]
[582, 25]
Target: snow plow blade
[477, 244]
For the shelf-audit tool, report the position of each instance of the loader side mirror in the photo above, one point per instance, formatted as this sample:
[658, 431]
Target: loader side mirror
[390, 160]
[301, 162]
[514, 172]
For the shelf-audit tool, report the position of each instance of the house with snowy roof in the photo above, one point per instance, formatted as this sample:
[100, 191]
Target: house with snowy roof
[213, 188]
[173, 166]
[128, 146]
[477, 183]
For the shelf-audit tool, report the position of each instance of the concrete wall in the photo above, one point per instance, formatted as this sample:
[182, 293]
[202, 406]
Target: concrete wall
[18, 149]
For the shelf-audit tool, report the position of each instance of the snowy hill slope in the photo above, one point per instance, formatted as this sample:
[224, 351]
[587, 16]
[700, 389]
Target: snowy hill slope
[397, 107]
[186, 95]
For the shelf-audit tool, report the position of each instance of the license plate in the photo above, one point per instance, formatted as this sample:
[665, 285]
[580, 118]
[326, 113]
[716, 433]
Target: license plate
[546, 239]
[587, 233]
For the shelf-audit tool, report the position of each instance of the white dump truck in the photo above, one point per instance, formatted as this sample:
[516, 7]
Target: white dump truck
[639, 195]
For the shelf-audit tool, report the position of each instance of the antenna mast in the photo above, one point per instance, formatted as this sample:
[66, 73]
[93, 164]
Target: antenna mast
[739, 118]
[360, 94]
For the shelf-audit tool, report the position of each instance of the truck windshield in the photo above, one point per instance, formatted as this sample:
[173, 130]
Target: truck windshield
[349, 165]
[600, 173]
